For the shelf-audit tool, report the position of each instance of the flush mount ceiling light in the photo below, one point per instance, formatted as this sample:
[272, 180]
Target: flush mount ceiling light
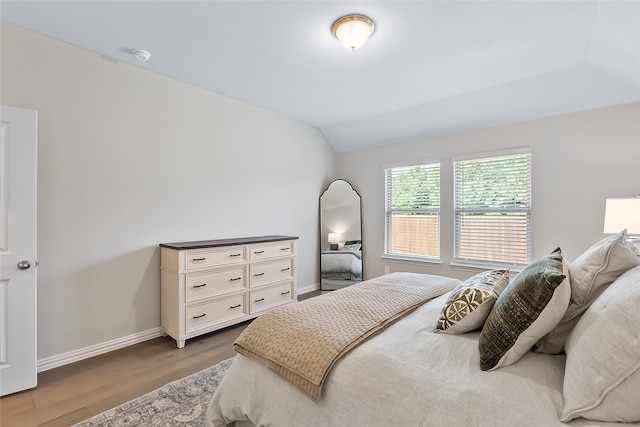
[353, 31]
[140, 54]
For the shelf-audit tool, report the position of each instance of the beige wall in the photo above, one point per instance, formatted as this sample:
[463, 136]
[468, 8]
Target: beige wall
[578, 161]
[128, 159]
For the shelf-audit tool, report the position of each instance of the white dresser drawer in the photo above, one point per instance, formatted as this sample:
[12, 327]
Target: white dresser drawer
[271, 272]
[270, 250]
[210, 283]
[210, 257]
[271, 296]
[205, 285]
[203, 315]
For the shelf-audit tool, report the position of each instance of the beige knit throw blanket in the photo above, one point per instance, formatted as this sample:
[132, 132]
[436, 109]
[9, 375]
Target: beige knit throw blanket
[302, 341]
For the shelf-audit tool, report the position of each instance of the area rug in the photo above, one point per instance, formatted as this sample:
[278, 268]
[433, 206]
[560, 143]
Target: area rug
[179, 403]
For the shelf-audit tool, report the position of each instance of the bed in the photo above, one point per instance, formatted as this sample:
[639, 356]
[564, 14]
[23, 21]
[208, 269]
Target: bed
[343, 267]
[344, 264]
[436, 364]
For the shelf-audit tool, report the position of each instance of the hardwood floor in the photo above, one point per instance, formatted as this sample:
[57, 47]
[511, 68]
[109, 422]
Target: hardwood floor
[72, 393]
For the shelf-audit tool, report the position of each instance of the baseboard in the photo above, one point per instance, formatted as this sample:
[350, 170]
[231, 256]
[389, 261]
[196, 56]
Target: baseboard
[308, 289]
[95, 350]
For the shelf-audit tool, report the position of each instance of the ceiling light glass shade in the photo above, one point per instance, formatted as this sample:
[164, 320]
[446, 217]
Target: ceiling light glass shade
[353, 31]
[621, 213]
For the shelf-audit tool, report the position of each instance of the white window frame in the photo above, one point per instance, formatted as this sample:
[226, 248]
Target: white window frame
[504, 255]
[403, 256]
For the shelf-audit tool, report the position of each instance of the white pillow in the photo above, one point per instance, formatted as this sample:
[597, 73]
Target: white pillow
[602, 373]
[469, 304]
[635, 244]
[591, 273]
[532, 305]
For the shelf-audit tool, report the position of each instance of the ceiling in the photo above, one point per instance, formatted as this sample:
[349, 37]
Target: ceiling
[431, 67]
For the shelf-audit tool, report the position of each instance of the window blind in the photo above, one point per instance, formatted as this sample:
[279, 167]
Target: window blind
[412, 210]
[492, 209]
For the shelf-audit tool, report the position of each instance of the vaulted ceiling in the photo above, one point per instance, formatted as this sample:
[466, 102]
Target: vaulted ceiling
[431, 67]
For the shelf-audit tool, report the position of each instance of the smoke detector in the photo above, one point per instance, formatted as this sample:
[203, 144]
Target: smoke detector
[140, 54]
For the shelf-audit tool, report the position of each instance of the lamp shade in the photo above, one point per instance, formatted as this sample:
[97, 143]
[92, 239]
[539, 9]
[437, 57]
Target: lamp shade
[334, 237]
[622, 213]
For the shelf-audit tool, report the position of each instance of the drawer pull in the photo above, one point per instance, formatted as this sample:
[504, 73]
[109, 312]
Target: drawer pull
[199, 259]
[258, 300]
[235, 278]
[285, 269]
[199, 316]
[285, 293]
[236, 306]
[235, 255]
[258, 252]
[259, 274]
[200, 286]
[284, 249]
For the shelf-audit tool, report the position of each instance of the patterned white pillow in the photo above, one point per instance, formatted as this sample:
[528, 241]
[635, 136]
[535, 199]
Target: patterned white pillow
[351, 247]
[602, 371]
[471, 301]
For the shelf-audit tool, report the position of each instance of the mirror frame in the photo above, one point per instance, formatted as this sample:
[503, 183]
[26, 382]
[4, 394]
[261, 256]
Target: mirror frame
[351, 231]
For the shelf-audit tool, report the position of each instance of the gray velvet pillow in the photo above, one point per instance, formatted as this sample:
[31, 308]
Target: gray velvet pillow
[528, 309]
[602, 371]
[591, 273]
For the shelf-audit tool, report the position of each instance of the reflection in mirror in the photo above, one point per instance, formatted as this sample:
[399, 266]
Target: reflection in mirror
[340, 236]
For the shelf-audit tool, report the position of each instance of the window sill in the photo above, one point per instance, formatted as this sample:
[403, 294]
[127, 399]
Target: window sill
[483, 267]
[435, 262]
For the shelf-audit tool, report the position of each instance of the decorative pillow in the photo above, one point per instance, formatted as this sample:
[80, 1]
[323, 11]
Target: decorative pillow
[590, 273]
[529, 307]
[471, 301]
[602, 373]
[351, 247]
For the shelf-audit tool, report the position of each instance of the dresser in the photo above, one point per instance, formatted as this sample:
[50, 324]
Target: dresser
[211, 284]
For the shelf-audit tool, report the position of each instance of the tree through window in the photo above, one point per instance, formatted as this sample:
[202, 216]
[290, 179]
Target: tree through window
[492, 208]
[412, 210]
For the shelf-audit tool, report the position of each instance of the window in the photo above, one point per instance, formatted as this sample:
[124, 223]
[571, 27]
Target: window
[412, 211]
[492, 208]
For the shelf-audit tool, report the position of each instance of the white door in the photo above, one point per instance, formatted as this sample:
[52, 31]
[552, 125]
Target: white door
[18, 359]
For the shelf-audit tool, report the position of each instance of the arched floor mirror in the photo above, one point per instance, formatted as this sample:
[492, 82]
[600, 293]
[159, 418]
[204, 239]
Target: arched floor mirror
[340, 236]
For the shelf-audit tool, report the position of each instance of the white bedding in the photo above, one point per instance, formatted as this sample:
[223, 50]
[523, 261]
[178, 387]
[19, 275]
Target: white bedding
[336, 262]
[405, 376]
